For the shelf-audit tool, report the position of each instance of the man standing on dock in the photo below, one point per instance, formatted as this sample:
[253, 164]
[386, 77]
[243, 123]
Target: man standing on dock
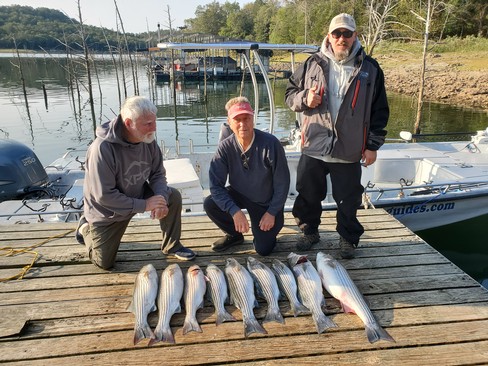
[341, 96]
[254, 164]
[125, 176]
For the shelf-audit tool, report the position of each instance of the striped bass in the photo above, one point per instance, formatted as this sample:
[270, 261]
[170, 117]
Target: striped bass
[267, 287]
[217, 291]
[241, 288]
[337, 282]
[169, 297]
[288, 285]
[143, 301]
[195, 288]
[310, 290]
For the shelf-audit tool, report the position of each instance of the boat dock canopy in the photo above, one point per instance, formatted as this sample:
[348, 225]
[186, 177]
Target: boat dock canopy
[238, 46]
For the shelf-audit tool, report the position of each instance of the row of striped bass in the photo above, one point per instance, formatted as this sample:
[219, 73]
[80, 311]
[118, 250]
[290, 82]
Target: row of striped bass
[310, 290]
[339, 284]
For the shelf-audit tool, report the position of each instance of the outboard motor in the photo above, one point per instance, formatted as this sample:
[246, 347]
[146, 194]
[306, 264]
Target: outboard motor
[21, 172]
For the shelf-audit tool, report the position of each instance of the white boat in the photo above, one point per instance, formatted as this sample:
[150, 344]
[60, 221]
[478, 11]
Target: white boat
[424, 185]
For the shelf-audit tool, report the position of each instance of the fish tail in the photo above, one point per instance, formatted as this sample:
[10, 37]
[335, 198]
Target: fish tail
[298, 309]
[162, 335]
[253, 326]
[224, 316]
[323, 322]
[375, 333]
[141, 332]
[274, 315]
[191, 324]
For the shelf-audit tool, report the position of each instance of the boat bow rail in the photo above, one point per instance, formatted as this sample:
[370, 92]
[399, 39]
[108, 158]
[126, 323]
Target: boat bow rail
[244, 49]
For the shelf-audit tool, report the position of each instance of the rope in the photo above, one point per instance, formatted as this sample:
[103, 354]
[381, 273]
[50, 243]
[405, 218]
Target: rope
[367, 202]
[10, 252]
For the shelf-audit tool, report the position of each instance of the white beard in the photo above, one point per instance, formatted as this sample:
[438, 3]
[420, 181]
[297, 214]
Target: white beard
[342, 55]
[149, 138]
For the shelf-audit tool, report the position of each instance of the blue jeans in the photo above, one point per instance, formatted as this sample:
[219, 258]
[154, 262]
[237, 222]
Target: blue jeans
[264, 241]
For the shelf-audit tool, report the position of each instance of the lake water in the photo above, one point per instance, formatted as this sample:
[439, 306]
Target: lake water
[55, 121]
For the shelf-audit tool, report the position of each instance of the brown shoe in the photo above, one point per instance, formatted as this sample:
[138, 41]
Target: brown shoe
[226, 242]
[347, 249]
[306, 241]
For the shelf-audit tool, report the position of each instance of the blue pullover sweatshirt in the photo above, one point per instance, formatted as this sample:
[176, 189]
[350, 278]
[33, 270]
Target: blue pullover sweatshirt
[265, 180]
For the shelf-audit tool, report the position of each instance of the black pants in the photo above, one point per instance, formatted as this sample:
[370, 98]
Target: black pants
[312, 190]
[264, 241]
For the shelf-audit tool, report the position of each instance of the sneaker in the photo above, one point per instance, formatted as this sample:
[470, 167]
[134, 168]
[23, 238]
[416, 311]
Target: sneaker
[347, 249]
[226, 242]
[79, 237]
[306, 241]
[184, 254]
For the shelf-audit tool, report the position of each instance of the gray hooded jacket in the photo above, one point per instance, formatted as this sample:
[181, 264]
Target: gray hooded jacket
[117, 173]
[361, 117]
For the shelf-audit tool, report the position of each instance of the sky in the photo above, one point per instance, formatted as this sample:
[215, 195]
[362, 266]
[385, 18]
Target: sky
[137, 15]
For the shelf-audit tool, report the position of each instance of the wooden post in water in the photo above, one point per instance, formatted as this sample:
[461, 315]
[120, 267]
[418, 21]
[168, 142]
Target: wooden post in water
[45, 95]
[22, 79]
[422, 70]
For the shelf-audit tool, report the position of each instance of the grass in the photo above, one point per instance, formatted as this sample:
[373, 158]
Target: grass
[467, 54]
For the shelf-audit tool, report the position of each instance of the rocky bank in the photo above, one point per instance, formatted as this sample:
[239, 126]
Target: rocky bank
[451, 79]
[456, 79]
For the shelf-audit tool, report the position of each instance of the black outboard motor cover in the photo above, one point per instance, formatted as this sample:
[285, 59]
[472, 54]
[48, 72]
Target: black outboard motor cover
[20, 170]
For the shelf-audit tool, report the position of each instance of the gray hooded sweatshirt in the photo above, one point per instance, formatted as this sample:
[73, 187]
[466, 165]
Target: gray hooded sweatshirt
[118, 174]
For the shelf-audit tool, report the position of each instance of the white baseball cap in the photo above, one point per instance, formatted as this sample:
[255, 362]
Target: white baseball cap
[342, 20]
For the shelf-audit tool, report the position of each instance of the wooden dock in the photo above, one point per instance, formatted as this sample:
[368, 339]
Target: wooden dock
[67, 312]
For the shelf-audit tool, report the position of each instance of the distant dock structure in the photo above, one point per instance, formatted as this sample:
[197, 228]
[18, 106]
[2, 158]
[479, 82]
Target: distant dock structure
[217, 61]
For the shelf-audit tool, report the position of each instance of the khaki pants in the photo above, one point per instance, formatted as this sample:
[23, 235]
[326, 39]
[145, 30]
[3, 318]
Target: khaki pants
[103, 240]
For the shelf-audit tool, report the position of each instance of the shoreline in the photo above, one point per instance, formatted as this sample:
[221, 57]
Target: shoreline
[449, 78]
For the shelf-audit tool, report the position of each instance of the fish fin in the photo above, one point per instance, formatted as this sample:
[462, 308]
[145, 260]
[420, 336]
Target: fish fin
[274, 315]
[191, 324]
[201, 304]
[224, 316]
[298, 309]
[376, 333]
[141, 332]
[162, 335]
[347, 309]
[153, 308]
[253, 326]
[130, 307]
[323, 322]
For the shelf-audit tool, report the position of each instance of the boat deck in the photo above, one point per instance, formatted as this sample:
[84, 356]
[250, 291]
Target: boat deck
[66, 311]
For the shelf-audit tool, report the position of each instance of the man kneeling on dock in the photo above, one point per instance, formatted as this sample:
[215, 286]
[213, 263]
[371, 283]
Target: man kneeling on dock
[254, 164]
[125, 176]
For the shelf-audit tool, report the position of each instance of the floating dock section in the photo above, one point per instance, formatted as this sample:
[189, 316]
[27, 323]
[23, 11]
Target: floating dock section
[65, 311]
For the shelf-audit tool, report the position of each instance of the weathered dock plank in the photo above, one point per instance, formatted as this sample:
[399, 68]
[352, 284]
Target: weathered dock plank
[65, 310]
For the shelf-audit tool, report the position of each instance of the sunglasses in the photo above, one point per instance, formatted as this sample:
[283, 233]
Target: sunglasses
[245, 161]
[338, 34]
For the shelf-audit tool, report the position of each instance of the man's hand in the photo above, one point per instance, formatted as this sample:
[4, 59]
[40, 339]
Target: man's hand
[313, 99]
[240, 222]
[267, 222]
[159, 213]
[368, 158]
[155, 202]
